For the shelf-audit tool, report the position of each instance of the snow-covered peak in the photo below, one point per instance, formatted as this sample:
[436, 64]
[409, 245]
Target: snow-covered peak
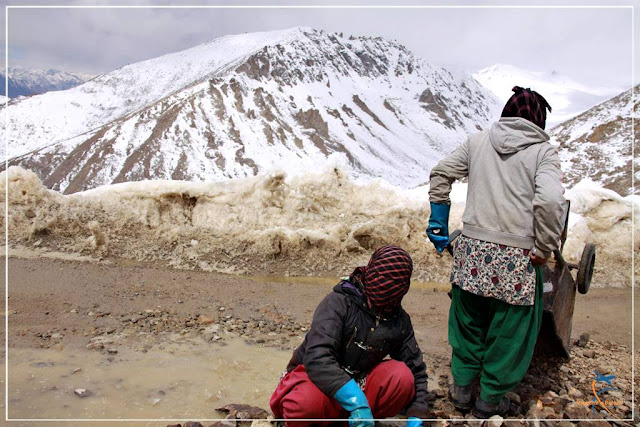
[55, 116]
[160, 76]
[29, 81]
[567, 97]
[597, 144]
[245, 104]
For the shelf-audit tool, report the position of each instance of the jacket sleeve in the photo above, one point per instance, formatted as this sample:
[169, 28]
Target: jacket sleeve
[452, 167]
[411, 355]
[548, 203]
[323, 341]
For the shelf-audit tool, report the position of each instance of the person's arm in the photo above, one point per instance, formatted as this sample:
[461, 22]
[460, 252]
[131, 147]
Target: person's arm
[411, 355]
[321, 362]
[323, 341]
[548, 204]
[453, 167]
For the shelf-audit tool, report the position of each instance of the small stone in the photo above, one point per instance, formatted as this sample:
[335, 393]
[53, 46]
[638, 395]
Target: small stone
[575, 394]
[193, 424]
[589, 353]
[261, 423]
[575, 411]
[494, 421]
[583, 340]
[514, 398]
[56, 336]
[82, 392]
[205, 320]
[154, 401]
[174, 425]
[74, 311]
[112, 351]
[535, 410]
[594, 423]
[222, 309]
[615, 393]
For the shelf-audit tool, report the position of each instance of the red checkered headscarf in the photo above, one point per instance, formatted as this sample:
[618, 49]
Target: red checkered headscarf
[528, 104]
[386, 278]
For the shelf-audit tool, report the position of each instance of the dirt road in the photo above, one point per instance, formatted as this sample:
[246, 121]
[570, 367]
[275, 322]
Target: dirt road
[120, 309]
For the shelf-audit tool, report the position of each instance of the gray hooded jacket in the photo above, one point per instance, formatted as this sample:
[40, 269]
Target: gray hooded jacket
[515, 196]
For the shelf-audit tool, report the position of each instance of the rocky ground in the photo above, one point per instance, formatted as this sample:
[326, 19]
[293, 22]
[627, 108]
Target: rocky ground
[115, 305]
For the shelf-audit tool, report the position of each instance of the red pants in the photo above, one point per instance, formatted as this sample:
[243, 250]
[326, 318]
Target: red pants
[389, 388]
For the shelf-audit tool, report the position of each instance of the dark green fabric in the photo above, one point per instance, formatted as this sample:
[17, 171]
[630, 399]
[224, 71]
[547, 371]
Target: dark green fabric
[492, 339]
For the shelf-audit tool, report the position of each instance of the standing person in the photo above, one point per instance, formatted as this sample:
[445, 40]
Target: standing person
[512, 224]
[339, 371]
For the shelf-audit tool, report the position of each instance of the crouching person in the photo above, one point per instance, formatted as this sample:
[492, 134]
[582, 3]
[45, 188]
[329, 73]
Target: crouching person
[340, 370]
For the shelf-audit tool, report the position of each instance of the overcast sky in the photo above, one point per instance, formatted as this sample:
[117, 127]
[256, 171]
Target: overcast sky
[593, 46]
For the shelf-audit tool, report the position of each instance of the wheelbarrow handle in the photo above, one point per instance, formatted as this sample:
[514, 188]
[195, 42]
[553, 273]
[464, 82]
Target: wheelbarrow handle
[452, 238]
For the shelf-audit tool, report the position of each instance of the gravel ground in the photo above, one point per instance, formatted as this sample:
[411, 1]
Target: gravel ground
[104, 306]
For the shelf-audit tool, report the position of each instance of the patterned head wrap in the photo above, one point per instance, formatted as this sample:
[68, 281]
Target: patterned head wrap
[386, 278]
[527, 104]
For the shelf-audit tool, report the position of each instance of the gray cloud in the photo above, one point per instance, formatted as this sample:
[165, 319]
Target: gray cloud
[588, 45]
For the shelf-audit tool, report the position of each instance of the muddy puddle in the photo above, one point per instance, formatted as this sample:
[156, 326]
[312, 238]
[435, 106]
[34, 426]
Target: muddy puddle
[184, 381]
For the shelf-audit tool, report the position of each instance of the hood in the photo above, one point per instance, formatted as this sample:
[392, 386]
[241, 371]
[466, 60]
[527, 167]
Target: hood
[512, 134]
[352, 292]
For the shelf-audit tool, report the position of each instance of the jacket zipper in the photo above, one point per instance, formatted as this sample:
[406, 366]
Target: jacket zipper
[353, 336]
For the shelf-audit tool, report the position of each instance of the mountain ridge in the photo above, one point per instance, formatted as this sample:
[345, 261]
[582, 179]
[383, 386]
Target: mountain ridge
[367, 101]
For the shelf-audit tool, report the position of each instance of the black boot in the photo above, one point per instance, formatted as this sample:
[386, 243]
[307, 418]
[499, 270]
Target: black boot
[461, 397]
[485, 410]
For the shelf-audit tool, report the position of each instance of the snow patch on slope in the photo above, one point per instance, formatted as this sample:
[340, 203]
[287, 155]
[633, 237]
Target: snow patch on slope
[45, 119]
[273, 224]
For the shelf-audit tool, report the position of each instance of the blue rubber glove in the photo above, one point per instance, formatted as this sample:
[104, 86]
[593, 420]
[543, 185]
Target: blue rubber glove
[438, 231]
[351, 398]
[414, 422]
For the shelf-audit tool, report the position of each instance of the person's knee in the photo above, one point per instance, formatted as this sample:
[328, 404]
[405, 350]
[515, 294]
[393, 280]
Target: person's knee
[404, 377]
[302, 403]
[397, 375]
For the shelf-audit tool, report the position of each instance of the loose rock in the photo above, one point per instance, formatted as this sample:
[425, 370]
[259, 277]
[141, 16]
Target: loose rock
[82, 392]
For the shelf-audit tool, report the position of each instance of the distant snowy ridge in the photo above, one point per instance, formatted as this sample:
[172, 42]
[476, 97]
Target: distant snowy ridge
[249, 103]
[566, 96]
[32, 81]
[597, 144]
[57, 116]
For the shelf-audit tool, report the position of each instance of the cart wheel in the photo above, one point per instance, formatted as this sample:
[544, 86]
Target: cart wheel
[585, 269]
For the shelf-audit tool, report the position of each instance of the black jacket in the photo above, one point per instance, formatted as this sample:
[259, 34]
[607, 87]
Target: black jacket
[347, 340]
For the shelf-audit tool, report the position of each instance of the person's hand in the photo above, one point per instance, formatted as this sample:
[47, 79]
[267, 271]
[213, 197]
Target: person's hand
[537, 260]
[414, 422]
[351, 398]
[361, 418]
[438, 230]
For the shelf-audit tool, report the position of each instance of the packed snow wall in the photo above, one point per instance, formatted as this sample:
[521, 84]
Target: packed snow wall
[322, 224]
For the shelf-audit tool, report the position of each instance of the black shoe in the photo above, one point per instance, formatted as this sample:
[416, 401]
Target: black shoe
[485, 410]
[461, 397]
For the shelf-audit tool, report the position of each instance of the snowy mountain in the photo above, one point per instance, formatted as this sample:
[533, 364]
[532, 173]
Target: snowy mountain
[249, 103]
[597, 144]
[31, 81]
[567, 97]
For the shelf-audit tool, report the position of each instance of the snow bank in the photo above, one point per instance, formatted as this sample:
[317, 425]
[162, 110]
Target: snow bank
[322, 224]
